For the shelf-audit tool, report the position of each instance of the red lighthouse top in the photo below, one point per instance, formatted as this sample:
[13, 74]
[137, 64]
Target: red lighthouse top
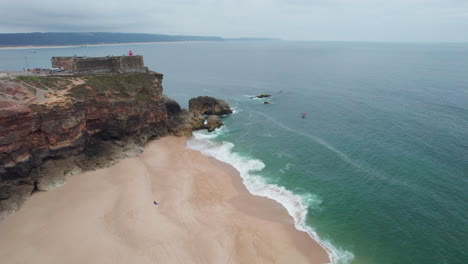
[130, 53]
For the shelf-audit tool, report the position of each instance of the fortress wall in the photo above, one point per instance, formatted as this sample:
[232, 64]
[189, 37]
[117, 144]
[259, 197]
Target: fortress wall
[101, 65]
[96, 65]
[66, 63]
[130, 64]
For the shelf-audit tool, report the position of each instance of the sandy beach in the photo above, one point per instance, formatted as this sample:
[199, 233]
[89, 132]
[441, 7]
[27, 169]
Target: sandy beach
[205, 215]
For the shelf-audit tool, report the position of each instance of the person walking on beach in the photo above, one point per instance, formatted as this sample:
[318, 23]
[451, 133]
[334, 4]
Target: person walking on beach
[155, 203]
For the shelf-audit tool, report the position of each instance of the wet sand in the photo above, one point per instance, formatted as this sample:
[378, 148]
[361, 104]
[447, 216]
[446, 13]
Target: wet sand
[205, 215]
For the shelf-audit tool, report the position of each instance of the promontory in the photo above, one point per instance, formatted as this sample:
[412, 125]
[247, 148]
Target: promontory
[55, 126]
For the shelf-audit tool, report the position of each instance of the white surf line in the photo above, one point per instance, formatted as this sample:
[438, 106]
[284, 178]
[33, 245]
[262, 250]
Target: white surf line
[296, 205]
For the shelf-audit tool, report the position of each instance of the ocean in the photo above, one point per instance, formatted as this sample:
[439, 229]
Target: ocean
[377, 172]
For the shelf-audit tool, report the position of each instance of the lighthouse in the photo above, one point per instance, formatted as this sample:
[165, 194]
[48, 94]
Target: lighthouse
[130, 53]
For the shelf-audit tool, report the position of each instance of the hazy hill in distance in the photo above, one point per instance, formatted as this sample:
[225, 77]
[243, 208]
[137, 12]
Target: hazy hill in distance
[88, 38]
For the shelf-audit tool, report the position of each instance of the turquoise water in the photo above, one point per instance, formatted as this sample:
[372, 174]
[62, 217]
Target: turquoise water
[377, 172]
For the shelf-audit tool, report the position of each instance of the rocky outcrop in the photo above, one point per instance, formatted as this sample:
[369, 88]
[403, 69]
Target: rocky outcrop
[261, 96]
[205, 111]
[52, 128]
[178, 122]
[207, 105]
[213, 122]
[197, 120]
[186, 122]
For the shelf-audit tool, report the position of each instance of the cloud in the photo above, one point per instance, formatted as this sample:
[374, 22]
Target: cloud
[378, 20]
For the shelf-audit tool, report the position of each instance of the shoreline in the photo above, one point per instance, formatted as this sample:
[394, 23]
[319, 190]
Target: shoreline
[103, 44]
[292, 204]
[271, 210]
[205, 215]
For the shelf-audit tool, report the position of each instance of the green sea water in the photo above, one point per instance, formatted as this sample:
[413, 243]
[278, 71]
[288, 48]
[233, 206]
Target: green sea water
[378, 170]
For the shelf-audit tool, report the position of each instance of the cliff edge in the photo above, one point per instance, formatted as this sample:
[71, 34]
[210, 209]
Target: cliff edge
[55, 127]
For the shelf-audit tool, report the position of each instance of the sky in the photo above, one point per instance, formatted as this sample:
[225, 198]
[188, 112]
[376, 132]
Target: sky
[328, 20]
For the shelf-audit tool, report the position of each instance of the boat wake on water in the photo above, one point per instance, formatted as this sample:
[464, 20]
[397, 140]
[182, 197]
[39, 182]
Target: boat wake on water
[296, 205]
[359, 165]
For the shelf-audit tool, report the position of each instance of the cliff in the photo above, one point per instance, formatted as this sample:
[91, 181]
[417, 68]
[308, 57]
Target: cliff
[55, 127]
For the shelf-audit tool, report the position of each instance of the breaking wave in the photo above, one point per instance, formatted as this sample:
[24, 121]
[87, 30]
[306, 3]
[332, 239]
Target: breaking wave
[296, 205]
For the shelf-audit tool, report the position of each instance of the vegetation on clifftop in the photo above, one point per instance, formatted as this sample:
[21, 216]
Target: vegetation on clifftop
[120, 83]
[139, 85]
[45, 82]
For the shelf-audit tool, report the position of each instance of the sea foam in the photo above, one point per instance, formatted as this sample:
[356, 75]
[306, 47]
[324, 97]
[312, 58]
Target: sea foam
[296, 205]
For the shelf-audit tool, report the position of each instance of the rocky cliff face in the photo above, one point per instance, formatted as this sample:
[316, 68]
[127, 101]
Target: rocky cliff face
[204, 112]
[207, 105]
[51, 127]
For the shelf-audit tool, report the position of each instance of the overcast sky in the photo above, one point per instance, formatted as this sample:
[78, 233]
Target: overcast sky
[354, 20]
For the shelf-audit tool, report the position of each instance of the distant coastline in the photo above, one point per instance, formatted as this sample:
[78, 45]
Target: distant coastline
[101, 44]
[67, 39]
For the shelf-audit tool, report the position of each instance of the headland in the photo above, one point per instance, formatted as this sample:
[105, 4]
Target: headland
[95, 127]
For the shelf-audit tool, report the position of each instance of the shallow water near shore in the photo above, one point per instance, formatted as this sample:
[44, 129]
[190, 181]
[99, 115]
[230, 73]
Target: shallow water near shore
[378, 169]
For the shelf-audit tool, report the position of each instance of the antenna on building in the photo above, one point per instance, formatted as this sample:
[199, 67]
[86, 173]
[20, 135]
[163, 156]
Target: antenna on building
[26, 60]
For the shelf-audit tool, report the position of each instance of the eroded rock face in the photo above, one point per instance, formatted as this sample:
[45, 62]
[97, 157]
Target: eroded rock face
[51, 128]
[205, 111]
[172, 106]
[207, 105]
[197, 120]
[213, 122]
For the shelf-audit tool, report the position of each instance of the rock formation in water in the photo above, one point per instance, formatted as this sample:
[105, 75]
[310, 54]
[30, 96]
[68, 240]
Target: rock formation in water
[55, 127]
[213, 122]
[261, 96]
[209, 106]
[204, 112]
